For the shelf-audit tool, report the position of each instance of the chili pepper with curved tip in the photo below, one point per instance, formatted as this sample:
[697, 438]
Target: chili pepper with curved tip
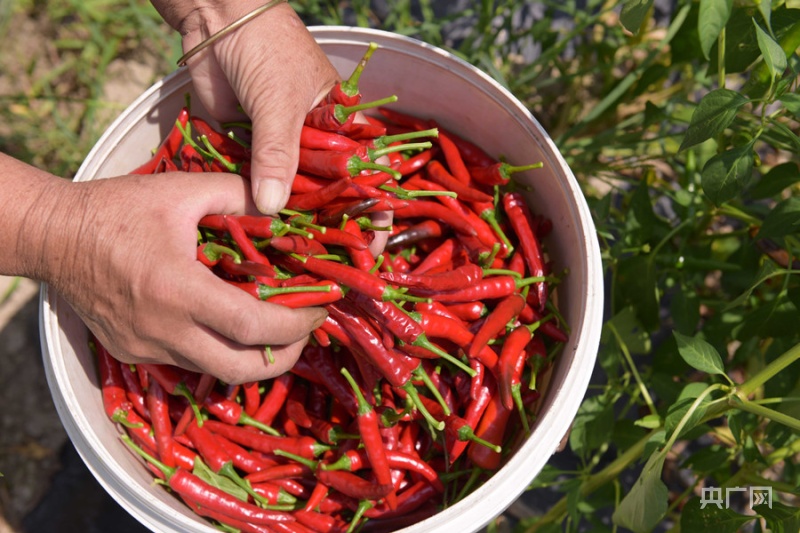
[419, 232]
[489, 288]
[191, 486]
[519, 217]
[133, 390]
[495, 323]
[334, 214]
[232, 412]
[239, 525]
[298, 244]
[339, 237]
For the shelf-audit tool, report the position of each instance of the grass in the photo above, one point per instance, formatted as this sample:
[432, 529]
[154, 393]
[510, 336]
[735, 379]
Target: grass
[682, 129]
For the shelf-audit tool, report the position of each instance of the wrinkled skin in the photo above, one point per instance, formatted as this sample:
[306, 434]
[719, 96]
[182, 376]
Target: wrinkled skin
[122, 251]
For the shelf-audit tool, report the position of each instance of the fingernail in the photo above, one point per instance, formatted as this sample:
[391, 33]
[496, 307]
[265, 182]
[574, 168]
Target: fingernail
[271, 196]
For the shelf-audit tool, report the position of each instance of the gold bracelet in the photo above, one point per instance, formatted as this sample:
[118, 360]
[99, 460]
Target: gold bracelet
[233, 26]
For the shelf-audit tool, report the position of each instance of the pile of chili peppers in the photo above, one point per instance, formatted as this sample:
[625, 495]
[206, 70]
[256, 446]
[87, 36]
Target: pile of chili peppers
[424, 376]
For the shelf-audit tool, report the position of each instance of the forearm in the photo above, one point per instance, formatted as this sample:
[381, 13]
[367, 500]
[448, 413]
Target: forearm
[36, 212]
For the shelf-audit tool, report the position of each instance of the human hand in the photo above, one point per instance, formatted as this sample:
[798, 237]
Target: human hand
[272, 67]
[122, 252]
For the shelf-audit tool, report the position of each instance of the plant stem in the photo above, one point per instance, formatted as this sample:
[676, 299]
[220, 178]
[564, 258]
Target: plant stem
[556, 513]
[770, 371]
[766, 412]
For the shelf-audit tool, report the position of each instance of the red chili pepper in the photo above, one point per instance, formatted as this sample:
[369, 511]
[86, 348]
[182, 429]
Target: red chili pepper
[133, 390]
[453, 158]
[491, 428]
[319, 198]
[416, 162]
[495, 323]
[431, 209]
[511, 365]
[337, 237]
[419, 232]
[437, 173]
[519, 217]
[169, 146]
[158, 407]
[285, 471]
[319, 522]
[369, 429]
[259, 441]
[323, 363]
[259, 226]
[243, 241]
[488, 288]
[240, 525]
[223, 144]
[346, 92]
[273, 401]
[468, 311]
[354, 486]
[471, 153]
[194, 488]
[298, 244]
[204, 386]
[409, 500]
[338, 117]
[242, 459]
[317, 496]
[403, 119]
[497, 173]
[458, 278]
[393, 368]
[352, 277]
[252, 397]
[315, 139]
[295, 406]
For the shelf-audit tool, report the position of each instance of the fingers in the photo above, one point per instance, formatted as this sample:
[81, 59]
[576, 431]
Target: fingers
[380, 219]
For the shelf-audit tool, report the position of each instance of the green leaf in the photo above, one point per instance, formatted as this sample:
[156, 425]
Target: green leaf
[711, 19]
[699, 354]
[681, 406]
[780, 518]
[202, 471]
[791, 101]
[646, 503]
[765, 6]
[715, 112]
[629, 330]
[633, 14]
[776, 181]
[726, 175]
[773, 54]
[766, 271]
[710, 517]
[593, 425]
[782, 220]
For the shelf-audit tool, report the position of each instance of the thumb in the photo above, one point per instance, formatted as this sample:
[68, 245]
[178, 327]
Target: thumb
[275, 151]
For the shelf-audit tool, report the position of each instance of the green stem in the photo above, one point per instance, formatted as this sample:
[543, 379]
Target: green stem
[626, 353]
[766, 412]
[770, 371]
[611, 472]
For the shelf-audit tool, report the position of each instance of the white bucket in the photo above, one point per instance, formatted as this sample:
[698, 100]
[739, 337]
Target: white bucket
[429, 82]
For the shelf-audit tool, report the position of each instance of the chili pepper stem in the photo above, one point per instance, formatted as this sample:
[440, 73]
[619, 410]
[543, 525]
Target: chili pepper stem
[423, 342]
[343, 112]
[466, 433]
[387, 140]
[269, 354]
[420, 373]
[247, 420]
[121, 417]
[406, 194]
[302, 460]
[166, 470]
[350, 85]
[515, 393]
[413, 397]
[265, 291]
[227, 470]
[183, 390]
[490, 219]
[376, 153]
[363, 506]
[230, 167]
